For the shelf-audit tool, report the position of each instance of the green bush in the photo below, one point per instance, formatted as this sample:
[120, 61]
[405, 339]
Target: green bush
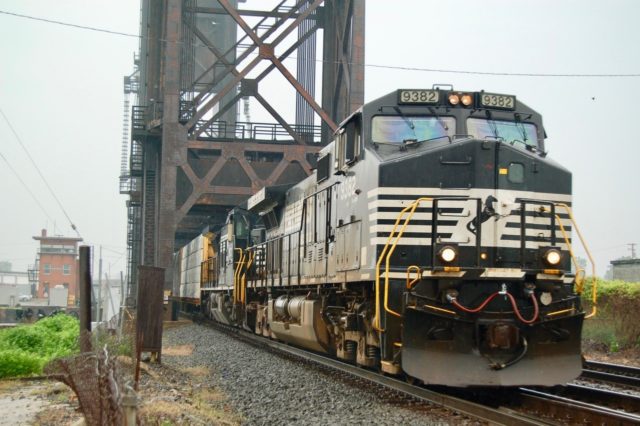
[26, 349]
[615, 324]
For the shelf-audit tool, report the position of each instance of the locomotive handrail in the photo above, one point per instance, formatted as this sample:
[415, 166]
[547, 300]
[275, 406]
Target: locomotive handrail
[236, 274]
[411, 208]
[243, 281]
[412, 283]
[579, 285]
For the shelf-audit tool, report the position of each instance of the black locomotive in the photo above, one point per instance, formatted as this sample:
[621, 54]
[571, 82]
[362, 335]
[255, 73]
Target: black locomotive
[432, 240]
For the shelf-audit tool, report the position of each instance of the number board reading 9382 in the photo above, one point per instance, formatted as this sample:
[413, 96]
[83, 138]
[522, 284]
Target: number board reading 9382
[418, 96]
[491, 100]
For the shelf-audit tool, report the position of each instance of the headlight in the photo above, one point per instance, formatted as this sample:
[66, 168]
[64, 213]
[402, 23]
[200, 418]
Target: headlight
[454, 99]
[466, 99]
[553, 257]
[448, 254]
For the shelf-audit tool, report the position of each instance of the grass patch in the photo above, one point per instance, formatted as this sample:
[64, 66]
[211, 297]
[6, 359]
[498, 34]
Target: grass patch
[163, 412]
[24, 350]
[197, 372]
[182, 350]
[615, 325]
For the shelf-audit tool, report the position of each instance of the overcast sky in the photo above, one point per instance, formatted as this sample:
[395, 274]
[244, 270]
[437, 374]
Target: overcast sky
[61, 89]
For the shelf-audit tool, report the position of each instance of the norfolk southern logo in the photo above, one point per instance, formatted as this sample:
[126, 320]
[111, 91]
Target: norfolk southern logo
[487, 213]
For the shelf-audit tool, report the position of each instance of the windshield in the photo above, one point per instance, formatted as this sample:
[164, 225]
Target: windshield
[517, 134]
[398, 129]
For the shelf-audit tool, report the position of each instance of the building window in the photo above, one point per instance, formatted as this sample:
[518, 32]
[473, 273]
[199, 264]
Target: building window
[47, 268]
[66, 269]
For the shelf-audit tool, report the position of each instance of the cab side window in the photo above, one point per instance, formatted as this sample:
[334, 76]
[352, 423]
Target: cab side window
[348, 144]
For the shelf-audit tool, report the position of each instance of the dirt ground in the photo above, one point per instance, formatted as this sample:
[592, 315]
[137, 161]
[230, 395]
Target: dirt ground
[167, 396]
[630, 357]
[39, 402]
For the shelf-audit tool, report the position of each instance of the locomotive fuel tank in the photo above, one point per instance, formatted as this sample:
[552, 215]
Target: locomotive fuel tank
[298, 320]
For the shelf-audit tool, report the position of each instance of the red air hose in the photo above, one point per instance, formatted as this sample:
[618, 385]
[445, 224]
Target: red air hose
[536, 310]
[474, 310]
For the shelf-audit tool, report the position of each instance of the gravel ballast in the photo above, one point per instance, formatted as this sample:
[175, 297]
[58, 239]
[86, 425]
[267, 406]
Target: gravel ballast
[266, 388]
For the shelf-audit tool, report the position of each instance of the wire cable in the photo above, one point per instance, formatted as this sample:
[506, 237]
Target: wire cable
[381, 66]
[67, 24]
[39, 172]
[27, 188]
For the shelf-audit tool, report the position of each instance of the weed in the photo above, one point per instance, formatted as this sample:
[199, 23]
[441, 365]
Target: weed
[25, 349]
[615, 324]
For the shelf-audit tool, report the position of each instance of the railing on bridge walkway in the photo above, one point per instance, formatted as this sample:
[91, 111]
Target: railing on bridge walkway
[144, 118]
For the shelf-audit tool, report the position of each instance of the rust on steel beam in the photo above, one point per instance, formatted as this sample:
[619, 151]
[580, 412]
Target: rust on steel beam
[307, 97]
[248, 51]
[279, 118]
[219, 55]
[202, 111]
[216, 98]
[343, 58]
[249, 146]
[344, 72]
[224, 108]
[356, 88]
[242, 12]
[252, 65]
[224, 55]
[241, 22]
[173, 138]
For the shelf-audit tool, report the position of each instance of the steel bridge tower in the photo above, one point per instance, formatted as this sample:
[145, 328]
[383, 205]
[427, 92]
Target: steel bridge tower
[227, 102]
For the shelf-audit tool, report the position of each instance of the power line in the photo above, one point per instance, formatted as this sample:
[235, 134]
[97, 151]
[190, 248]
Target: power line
[26, 187]
[67, 24]
[39, 172]
[511, 74]
[381, 66]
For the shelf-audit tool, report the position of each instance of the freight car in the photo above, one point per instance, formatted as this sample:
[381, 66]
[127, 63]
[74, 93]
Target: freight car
[433, 240]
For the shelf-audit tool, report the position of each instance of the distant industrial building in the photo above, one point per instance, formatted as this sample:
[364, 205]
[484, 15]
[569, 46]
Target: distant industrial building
[626, 270]
[57, 266]
[14, 287]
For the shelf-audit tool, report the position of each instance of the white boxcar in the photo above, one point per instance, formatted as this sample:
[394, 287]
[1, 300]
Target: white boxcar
[191, 257]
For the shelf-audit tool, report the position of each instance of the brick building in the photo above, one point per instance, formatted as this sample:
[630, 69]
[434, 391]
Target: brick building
[57, 265]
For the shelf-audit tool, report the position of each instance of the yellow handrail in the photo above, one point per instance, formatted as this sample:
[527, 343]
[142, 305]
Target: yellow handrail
[411, 208]
[579, 285]
[579, 271]
[243, 288]
[235, 275]
[415, 280]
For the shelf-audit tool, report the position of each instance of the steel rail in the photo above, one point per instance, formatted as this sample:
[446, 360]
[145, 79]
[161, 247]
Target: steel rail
[630, 403]
[498, 416]
[573, 411]
[611, 373]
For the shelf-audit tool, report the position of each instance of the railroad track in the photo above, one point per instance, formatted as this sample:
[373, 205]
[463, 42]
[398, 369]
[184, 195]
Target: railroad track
[576, 404]
[569, 404]
[501, 416]
[611, 373]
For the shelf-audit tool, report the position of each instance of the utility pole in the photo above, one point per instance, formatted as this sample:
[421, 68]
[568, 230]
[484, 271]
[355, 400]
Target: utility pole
[99, 304]
[85, 298]
[632, 246]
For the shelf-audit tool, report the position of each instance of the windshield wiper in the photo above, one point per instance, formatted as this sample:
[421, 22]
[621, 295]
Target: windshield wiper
[411, 142]
[521, 128]
[493, 125]
[440, 120]
[406, 119]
